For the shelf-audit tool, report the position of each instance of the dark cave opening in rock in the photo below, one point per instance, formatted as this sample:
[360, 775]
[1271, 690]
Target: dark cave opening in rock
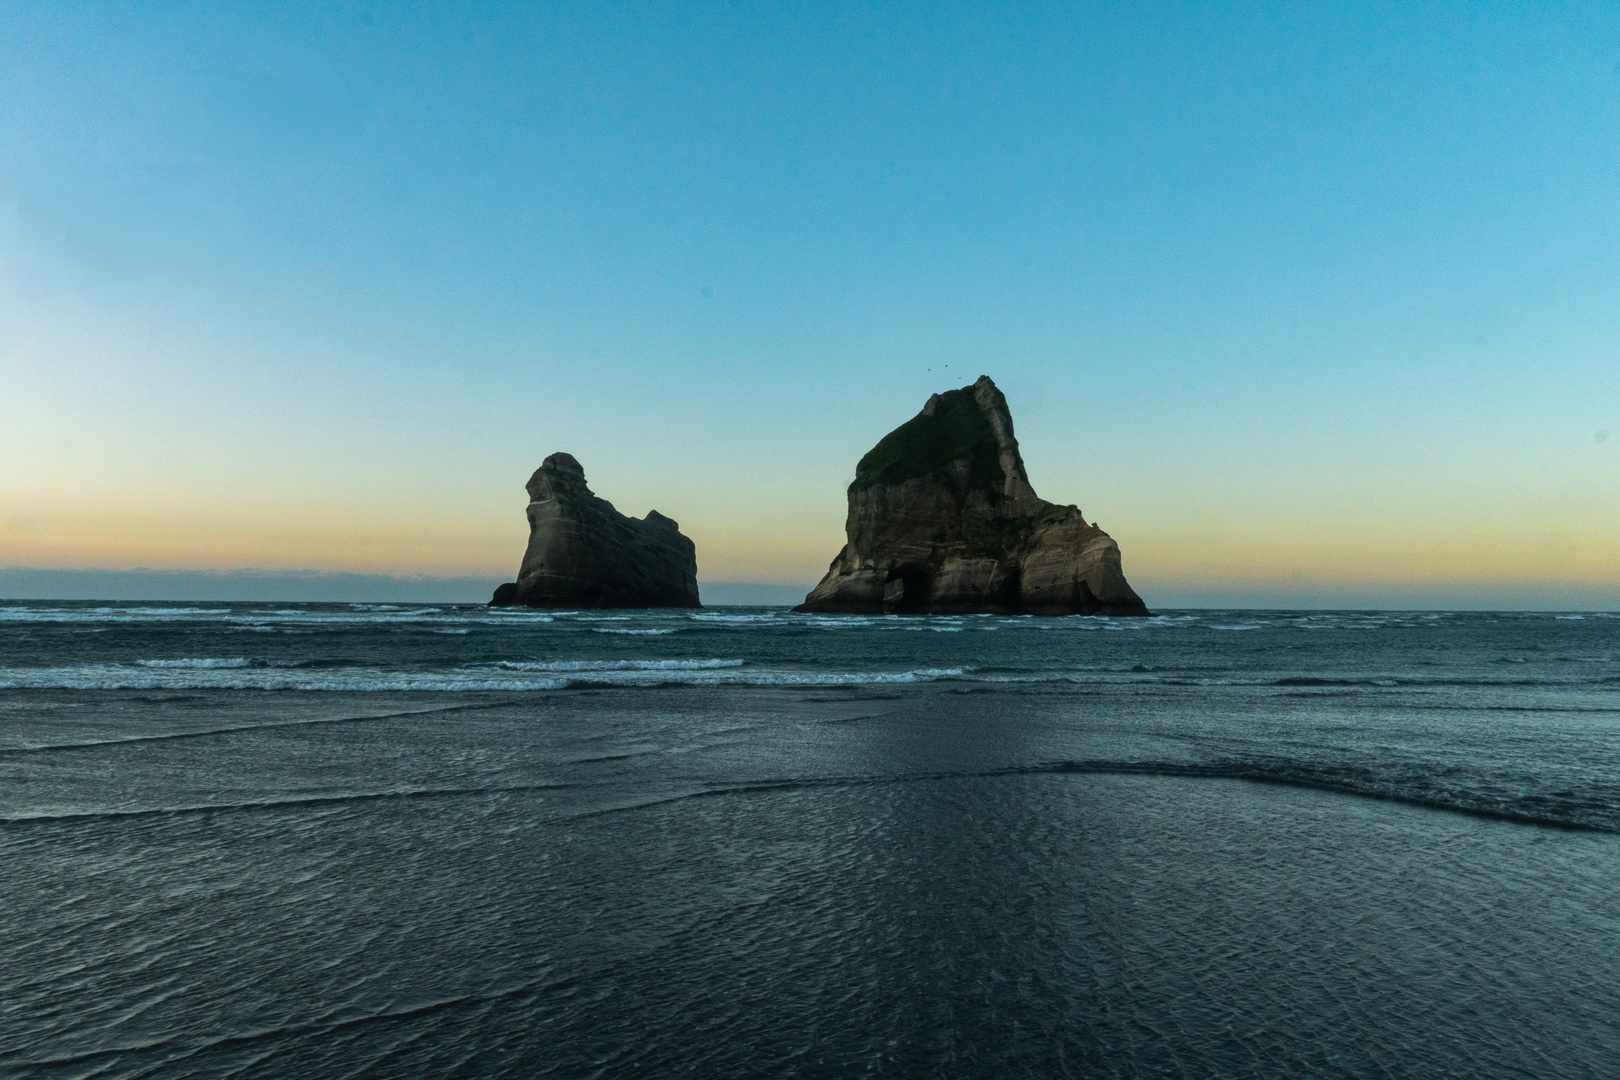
[907, 590]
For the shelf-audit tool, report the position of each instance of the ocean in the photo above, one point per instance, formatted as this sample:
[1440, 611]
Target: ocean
[351, 840]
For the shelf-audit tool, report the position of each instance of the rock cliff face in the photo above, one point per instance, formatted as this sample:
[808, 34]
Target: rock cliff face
[584, 554]
[942, 520]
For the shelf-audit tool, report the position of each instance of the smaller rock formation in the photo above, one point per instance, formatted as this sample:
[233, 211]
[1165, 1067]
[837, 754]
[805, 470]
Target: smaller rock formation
[942, 520]
[585, 554]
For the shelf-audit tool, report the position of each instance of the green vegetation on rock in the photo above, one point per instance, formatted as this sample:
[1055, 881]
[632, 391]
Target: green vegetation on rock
[996, 537]
[926, 444]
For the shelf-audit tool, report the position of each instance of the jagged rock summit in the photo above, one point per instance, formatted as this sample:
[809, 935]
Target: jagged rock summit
[942, 520]
[584, 554]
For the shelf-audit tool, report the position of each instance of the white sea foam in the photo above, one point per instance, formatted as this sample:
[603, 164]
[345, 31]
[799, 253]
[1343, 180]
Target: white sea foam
[502, 677]
[617, 665]
[238, 673]
[270, 618]
[107, 614]
[255, 618]
[752, 617]
[119, 677]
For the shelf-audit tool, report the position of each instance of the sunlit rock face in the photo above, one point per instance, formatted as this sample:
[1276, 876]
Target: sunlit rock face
[942, 520]
[583, 553]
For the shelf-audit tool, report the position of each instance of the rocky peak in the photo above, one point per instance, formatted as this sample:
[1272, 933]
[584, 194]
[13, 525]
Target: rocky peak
[558, 475]
[963, 437]
[942, 518]
[584, 553]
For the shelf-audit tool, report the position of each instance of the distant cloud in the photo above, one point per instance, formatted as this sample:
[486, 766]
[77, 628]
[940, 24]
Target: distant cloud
[29, 583]
[1382, 596]
[750, 594]
[33, 583]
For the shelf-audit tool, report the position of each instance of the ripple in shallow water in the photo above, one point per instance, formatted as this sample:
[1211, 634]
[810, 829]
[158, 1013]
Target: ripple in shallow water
[1051, 855]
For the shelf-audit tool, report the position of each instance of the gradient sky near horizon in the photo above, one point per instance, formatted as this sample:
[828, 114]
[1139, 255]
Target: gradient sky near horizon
[1286, 296]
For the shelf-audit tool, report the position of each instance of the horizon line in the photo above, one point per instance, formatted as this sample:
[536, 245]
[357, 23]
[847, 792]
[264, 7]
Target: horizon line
[254, 584]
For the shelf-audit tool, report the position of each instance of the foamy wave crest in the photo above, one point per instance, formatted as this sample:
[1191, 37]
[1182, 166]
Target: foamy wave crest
[348, 620]
[200, 664]
[121, 677]
[109, 614]
[748, 618]
[249, 617]
[617, 665]
[499, 677]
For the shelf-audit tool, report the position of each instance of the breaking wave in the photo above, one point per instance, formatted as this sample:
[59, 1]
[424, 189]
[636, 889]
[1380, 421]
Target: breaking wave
[501, 676]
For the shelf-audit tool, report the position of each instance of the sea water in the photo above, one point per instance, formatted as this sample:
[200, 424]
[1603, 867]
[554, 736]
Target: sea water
[255, 840]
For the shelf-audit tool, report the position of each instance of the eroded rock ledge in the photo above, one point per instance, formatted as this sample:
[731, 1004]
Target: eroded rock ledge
[583, 553]
[942, 520]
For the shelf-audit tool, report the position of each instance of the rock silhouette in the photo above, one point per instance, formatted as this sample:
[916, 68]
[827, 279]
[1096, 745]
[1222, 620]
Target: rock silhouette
[583, 553]
[942, 520]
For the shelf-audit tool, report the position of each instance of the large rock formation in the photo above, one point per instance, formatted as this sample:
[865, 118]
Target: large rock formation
[942, 520]
[584, 554]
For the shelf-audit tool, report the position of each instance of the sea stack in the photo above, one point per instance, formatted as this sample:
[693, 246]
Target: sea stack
[942, 520]
[585, 554]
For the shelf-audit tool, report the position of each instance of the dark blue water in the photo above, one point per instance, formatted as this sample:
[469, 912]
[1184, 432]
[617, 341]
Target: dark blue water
[349, 840]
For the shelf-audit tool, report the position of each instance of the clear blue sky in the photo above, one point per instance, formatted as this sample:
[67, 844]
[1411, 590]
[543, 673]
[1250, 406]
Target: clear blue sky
[1314, 298]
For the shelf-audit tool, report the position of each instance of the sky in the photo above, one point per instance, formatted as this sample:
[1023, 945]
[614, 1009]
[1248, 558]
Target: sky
[1305, 304]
